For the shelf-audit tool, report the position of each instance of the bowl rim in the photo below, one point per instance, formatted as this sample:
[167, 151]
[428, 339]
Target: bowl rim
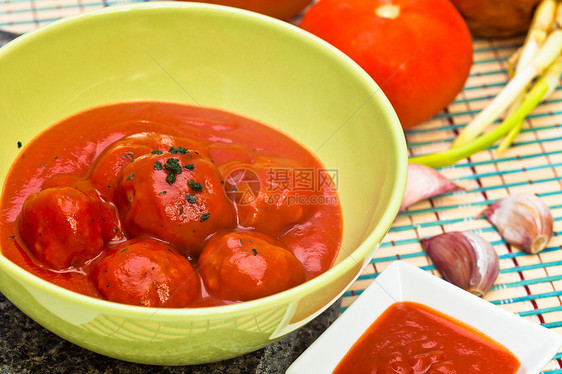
[371, 241]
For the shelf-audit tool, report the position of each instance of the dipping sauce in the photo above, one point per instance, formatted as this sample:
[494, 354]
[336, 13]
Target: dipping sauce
[169, 205]
[411, 338]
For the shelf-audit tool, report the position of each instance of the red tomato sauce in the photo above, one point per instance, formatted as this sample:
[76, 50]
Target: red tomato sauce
[415, 339]
[165, 204]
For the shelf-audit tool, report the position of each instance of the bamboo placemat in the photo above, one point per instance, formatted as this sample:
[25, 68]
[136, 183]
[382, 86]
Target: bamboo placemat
[529, 285]
[20, 16]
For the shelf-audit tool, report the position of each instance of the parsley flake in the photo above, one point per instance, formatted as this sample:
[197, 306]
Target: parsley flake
[156, 152]
[204, 217]
[254, 251]
[173, 164]
[189, 166]
[195, 186]
[171, 178]
[157, 165]
[191, 198]
[130, 177]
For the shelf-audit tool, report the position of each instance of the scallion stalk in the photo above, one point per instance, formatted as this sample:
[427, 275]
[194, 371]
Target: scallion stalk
[540, 27]
[545, 56]
[542, 88]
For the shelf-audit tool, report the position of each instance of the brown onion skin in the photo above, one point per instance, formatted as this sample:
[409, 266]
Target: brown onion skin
[497, 18]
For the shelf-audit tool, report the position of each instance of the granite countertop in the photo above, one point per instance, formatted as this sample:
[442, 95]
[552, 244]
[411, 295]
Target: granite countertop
[26, 347]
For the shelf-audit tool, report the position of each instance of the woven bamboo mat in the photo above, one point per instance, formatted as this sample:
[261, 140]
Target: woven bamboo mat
[529, 285]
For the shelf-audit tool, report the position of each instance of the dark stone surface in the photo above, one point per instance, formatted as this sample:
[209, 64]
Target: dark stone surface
[26, 347]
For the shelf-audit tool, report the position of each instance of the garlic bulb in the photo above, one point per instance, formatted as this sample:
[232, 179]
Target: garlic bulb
[424, 182]
[464, 259]
[523, 221]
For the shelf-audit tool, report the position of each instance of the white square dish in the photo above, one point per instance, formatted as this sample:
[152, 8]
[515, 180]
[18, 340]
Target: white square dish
[532, 344]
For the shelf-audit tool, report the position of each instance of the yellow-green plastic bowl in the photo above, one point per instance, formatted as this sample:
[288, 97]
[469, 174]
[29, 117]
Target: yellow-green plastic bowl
[218, 57]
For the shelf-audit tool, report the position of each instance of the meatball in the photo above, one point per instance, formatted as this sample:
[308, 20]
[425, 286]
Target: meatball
[110, 224]
[107, 166]
[61, 227]
[177, 197]
[146, 272]
[265, 196]
[243, 266]
[121, 153]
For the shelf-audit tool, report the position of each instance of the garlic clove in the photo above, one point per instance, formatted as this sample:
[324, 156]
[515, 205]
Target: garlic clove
[465, 260]
[522, 220]
[424, 182]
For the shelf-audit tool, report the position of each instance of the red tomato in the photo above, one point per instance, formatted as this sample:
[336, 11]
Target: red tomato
[418, 51]
[282, 9]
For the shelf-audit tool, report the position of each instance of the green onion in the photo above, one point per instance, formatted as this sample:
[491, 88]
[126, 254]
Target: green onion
[544, 86]
[545, 56]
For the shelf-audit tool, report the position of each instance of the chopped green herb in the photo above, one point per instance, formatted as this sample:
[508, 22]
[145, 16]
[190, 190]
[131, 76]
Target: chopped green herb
[189, 166]
[107, 284]
[157, 165]
[115, 229]
[124, 249]
[19, 144]
[92, 220]
[162, 192]
[130, 177]
[191, 198]
[171, 178]
[195, 186]
[173, 164]
[11, 236]
[240, 241]
[156, 152]
[141, 303]
[255, 251]
[169, 250]
[182, 150]
[181, 210]
[188, 153]
[204, 217]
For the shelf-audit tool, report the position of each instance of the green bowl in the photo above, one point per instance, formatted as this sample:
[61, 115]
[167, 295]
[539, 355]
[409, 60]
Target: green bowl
[219, 57]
